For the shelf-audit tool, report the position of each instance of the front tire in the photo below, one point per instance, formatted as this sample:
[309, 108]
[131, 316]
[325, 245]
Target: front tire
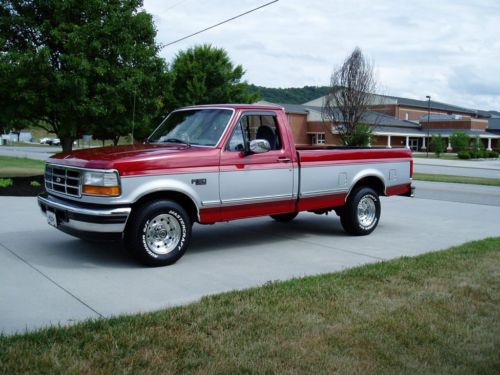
[361, 213]
[159, 233]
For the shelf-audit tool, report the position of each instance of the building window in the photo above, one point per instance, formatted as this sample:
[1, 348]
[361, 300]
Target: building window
[318, 139]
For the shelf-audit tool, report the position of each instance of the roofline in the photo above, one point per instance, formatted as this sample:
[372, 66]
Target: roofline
[233, 106]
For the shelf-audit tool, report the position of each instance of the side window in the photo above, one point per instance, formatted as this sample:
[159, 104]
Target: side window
[237, 141]
[252, 127]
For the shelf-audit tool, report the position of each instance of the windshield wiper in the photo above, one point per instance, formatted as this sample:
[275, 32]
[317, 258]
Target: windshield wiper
[177, 140]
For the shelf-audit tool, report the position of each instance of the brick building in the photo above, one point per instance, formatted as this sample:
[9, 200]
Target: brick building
[398, 122]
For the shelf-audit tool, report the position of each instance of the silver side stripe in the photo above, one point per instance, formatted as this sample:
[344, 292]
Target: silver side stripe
[210, 203]
[237, 202]
[323, 192]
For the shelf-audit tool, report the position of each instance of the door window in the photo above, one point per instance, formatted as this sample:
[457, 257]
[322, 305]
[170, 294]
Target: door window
[252, 127]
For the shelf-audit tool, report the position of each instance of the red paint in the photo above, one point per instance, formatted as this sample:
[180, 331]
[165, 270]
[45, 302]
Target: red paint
[226, 213]
[147, 159]
[319, 202]
[397, 190]
[362, 155]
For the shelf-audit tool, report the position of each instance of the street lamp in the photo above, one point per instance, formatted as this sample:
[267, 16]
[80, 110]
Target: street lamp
[428, 121]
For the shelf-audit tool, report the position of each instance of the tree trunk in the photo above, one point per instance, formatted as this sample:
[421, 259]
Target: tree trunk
[67, 144]
[116, 140]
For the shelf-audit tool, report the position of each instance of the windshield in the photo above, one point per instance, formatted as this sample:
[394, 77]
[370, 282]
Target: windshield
[193, 127]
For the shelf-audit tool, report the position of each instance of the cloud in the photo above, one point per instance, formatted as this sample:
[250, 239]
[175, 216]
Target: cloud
[446, 48]
[472, 80]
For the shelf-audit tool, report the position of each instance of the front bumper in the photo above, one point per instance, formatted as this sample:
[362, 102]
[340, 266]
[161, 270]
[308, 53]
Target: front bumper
[86, 221]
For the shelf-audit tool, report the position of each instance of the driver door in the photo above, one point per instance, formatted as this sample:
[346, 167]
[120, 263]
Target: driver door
[256, 184]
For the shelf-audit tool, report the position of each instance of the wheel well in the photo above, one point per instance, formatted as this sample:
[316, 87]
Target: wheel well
[372, 182]
[177, 197]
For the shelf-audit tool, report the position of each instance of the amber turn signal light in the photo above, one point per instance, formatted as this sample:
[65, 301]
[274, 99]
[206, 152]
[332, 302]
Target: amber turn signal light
[101, 190]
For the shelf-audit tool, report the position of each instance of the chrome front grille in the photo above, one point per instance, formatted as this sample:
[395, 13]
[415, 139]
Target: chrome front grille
[63, 180]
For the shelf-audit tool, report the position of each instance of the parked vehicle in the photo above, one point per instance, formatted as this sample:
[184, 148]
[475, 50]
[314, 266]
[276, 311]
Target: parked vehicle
[50, 141]
[207, 164]
[45, 141]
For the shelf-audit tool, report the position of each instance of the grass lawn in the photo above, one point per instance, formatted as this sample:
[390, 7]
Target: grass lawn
[456, 179]
[436, 313]
[20, 167]
[423, 155]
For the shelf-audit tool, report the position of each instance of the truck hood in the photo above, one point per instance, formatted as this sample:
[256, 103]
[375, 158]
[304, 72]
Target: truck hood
[138, 159]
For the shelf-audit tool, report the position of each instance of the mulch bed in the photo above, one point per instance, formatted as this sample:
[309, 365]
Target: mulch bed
[22, 187]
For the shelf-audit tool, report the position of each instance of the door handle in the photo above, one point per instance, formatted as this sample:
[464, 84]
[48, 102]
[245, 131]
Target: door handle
[284, 160]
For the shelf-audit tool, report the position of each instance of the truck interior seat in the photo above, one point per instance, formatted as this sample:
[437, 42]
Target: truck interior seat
[265, 132]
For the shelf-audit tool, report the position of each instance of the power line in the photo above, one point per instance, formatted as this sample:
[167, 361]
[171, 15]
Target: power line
[220, 23]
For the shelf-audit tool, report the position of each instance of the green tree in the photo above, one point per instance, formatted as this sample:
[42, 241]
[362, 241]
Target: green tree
[459, 141]
[351, 88]
[291, 95]
[437, 145]
[204, 75]
[72, 66]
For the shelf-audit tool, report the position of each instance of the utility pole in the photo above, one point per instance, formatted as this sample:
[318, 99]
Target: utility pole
[428, 122]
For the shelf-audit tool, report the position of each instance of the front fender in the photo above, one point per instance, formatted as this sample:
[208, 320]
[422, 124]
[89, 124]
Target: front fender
[134, 188]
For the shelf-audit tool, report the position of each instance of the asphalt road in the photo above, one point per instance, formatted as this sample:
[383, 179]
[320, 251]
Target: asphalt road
[463, 193]
[458, 171]
[30, 152]
[470, 168]
[47, 277]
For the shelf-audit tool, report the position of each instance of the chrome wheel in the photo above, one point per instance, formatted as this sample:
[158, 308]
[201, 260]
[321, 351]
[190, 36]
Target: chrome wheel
[163, 234]
[367, 211]
[361, 214]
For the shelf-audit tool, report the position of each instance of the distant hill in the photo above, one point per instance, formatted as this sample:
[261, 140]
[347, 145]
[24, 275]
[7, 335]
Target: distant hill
[292, 95]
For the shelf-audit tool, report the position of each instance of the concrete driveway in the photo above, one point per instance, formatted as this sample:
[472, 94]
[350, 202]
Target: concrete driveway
[47, 277]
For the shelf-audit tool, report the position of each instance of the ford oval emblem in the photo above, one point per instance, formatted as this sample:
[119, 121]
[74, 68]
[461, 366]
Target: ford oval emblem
[58, 179]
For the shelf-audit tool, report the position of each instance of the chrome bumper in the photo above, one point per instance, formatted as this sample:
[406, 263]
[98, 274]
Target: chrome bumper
[412, 192]
[82, 221]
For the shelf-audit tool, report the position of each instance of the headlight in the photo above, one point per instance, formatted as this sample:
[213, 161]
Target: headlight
[101, 183]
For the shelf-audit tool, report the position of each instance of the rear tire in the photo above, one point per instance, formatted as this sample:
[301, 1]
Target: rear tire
[285, 218]
[159, 233]
[361, 213]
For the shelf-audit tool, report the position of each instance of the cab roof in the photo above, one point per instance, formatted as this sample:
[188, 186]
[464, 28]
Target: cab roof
[237, 106]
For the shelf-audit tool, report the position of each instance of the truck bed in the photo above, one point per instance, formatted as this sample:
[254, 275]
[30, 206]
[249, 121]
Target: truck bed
[327, 175]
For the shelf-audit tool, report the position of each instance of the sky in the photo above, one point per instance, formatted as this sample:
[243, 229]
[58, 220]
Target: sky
[448, 49]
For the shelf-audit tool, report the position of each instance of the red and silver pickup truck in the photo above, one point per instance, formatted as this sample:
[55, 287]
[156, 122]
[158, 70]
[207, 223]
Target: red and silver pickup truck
[215, 163]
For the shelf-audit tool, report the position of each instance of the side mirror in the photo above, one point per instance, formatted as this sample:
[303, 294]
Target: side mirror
[259, 146]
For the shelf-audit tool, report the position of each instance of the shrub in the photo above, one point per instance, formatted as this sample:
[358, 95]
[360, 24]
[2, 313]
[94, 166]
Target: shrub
[360, 136]
[35, 184]
[464, 155]
[6, 182]
[459, 141]
[492, 154]
[437, 145]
